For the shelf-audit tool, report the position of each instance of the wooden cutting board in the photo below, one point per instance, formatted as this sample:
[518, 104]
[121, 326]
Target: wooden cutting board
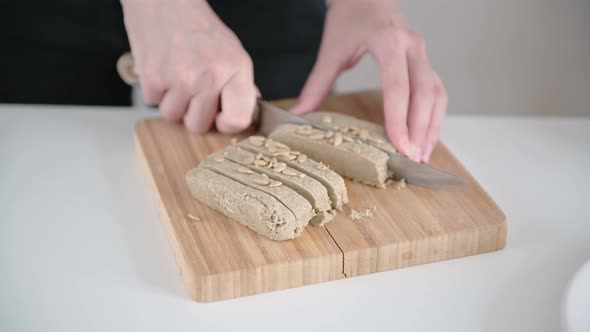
[221, 259]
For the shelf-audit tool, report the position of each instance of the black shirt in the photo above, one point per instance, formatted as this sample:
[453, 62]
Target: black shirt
[65, 51]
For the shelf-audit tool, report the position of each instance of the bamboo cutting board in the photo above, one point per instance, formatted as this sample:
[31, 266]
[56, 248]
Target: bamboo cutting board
[221, 259]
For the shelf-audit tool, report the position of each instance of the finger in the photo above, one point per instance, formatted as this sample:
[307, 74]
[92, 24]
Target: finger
[421, 100]
[318, 83]
[238, 100]
[152, 96]
[438, 114]
[152, 87]
[201, 112]
[174, 104]
[395, 83]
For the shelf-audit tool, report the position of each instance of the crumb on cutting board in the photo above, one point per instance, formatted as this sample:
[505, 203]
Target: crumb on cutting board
[233, 141]
[401, 184]
[362, 213]
[193, 217]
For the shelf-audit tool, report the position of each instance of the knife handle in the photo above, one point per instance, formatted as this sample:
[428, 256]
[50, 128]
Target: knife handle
[126, 69]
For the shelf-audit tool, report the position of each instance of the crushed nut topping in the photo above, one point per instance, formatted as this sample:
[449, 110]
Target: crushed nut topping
[245, 170]
[275, 183]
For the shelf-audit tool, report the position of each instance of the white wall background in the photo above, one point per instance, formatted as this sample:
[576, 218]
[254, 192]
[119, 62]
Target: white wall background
[501, 56]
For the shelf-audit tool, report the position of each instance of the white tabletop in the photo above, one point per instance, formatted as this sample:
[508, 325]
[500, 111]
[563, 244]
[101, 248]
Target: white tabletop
[82, 248]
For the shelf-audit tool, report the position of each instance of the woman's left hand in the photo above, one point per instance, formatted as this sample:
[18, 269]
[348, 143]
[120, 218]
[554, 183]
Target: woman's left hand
[414, 97]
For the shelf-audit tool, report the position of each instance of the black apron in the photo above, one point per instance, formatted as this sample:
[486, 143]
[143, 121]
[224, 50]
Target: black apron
[65, 51]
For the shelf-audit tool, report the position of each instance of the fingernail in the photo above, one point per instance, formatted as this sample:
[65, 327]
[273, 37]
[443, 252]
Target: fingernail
[414, 151]
[411, 151]
[405, 149]
[427, 152]
[417, 154]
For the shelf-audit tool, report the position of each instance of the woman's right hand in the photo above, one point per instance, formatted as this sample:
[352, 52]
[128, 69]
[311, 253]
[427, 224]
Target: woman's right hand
[190, 64]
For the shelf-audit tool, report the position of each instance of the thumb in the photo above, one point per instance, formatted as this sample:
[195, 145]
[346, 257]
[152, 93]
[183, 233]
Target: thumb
[325, 71]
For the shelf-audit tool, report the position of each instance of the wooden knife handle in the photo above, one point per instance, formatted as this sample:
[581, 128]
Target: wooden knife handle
[126, 69]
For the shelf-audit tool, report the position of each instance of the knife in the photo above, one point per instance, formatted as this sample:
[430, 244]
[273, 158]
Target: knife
[268, 117]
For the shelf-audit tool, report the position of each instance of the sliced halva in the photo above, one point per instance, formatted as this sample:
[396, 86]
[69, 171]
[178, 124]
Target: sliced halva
[346, 154]
[297, 204]
[303, 164]
[306, 186]
[255, 209]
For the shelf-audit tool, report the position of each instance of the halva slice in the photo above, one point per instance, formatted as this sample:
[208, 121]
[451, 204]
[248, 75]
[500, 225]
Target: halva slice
[255, 209]
[362, 130]
[344, 151]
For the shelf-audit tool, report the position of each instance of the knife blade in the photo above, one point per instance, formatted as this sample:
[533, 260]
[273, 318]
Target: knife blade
[421, 175]
[267, 117]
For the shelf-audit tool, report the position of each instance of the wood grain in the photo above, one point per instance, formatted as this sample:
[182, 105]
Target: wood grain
[221, 259]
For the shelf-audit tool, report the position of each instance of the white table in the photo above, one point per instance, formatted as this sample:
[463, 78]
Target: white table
[82, 248]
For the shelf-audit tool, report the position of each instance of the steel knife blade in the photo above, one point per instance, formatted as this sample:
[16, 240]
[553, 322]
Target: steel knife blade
[267, 117]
